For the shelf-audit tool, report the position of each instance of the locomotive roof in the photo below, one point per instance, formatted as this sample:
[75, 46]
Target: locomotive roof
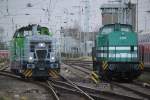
[27, 28]
[118, 24]
[115, 25]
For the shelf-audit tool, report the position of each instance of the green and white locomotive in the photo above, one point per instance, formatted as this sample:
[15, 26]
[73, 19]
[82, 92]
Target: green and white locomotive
[116, 53]
[33, 52]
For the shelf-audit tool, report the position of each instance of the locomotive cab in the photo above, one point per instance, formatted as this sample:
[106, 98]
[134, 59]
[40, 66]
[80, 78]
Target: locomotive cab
[42, 57]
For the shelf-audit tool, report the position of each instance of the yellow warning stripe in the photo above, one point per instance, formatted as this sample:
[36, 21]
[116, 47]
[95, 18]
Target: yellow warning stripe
[94, 80]
[105, 65]
[94, 58]
[30, 74]
[95, 77]
[27, 73]
[50, 74]
[56, 72]
[53, 73]
[141, 65]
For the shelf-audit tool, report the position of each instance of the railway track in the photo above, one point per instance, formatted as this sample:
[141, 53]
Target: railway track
[137, 87]
[84, 66]
[77, 61]
[87, 92]
[67, 85]
[56, 88]
[44, 85]
[142, 84]
[63, 88]
[147, 69]
[107, 95]
[141, 91]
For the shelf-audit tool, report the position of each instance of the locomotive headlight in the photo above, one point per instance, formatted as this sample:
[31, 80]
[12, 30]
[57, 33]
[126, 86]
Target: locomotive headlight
[41, 45]
[30, 59]
[52, 59]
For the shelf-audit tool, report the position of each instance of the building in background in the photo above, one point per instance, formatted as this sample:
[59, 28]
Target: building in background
[124, 13]
[75, 44]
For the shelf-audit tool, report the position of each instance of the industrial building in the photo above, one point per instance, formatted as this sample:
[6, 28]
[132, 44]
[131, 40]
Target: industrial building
[124, 13]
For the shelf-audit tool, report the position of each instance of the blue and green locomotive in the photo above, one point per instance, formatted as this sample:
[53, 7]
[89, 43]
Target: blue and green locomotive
[116, 53]
[32, 53]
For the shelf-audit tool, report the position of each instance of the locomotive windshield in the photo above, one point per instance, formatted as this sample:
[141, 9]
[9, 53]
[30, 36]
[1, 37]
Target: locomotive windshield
[107, 29]
[125, 28]
[115, 27]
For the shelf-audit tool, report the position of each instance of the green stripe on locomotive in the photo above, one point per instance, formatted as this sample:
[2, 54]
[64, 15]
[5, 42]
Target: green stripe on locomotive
[17, 46]
[116, 45]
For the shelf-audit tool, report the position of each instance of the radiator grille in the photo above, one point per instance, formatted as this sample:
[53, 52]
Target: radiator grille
[41, 54]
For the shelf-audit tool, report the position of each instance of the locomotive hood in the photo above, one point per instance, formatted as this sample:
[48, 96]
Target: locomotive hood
[122, 38]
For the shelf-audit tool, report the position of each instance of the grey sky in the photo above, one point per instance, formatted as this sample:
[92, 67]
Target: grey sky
[60, 12]
[64, 13]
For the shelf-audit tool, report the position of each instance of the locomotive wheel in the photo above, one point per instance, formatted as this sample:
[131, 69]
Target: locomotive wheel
[130, 78]
[107, 77]
[100, 70]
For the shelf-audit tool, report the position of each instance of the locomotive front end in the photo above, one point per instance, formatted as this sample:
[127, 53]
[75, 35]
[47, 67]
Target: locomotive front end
[33, 52]
[41, 59]
[116, 53]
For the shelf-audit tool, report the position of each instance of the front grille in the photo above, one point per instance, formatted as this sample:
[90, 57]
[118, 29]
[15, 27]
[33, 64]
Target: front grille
[41, 54]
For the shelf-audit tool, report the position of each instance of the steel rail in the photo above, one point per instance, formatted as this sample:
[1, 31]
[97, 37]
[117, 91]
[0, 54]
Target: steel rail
[132, 90]
[80, 90]
[46, 86]
[53, 91]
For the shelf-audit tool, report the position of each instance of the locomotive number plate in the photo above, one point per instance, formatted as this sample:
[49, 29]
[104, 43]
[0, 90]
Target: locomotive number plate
[41, 68]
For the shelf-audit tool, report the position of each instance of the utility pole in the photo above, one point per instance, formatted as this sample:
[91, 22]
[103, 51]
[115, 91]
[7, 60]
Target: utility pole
[86, 23]
[7, 8]
[48, 11]
[80, 12]
[137, 16]
[13, 27]
[87, 13]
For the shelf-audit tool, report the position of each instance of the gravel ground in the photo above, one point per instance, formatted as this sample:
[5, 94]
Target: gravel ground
[81, 78]
[73, 75]
[12, 89]
[145, 77]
